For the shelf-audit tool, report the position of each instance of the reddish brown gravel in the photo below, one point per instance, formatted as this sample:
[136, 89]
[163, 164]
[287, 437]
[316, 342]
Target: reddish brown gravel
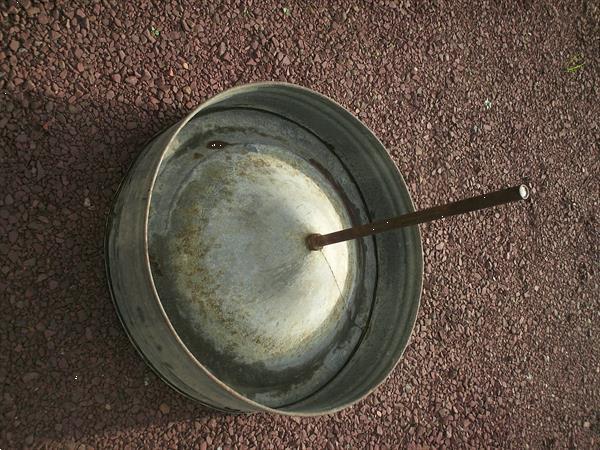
[466, 96]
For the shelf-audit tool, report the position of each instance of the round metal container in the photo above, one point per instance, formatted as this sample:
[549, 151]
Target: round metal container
[210, 272]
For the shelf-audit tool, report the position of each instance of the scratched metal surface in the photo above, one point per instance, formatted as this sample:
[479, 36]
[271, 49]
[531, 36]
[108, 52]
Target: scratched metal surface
[253, 320]
[230, 211]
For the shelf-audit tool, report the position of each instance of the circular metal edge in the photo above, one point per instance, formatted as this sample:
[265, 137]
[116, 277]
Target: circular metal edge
[107, 231]
[254, 405]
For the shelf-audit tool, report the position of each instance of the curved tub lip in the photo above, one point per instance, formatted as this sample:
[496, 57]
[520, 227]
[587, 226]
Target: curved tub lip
[255, 406]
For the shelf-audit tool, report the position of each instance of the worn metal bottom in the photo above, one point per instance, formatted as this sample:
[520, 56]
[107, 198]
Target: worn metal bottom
[231, 208]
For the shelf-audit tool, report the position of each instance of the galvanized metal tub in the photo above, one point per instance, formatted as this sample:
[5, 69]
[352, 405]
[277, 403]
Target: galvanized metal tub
[209, 270]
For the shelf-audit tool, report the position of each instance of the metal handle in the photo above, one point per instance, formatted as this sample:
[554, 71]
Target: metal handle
[512, 194]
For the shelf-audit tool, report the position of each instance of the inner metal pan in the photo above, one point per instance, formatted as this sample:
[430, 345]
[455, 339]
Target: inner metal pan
[210, 272]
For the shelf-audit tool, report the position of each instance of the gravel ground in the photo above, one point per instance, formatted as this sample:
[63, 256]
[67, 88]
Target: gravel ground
[466, 96]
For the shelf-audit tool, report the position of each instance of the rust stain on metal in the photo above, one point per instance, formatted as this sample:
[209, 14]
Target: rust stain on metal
[216, 144]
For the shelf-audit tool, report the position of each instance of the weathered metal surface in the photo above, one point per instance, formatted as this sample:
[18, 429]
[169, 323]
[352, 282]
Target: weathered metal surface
[228, 218]
[210, 272]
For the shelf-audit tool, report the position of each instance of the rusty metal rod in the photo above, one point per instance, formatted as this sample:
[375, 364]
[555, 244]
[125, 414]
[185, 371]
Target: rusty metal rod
[512, 194]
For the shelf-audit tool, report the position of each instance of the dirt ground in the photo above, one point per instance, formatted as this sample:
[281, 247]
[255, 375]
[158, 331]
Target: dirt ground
[465, 96]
